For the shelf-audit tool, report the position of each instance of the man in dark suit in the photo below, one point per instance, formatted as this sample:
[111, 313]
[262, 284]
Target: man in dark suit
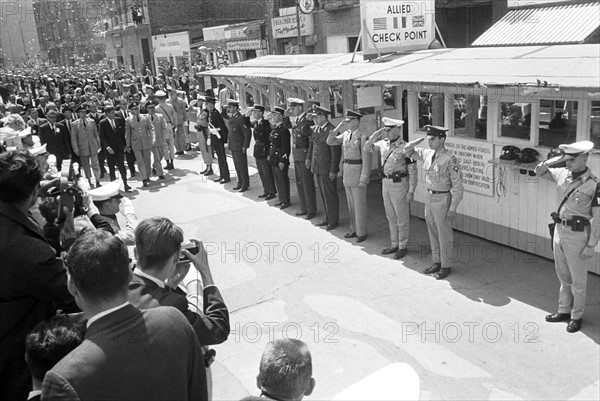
[261, 129]
[324, 162]
[239, 142]
[34, 121]
[32, 278]
[112, 137]
[218, 141]
[56, 138]
[279, 156]
[127, 353]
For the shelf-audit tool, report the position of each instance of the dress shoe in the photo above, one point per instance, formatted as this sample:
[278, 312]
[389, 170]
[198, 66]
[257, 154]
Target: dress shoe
[401, 253]
[361, 238]
[285, 205]
[218, 179]
[389, 251]
[350, 235]
[178, 153]
[574, 325]
[145, 183]
[310, 216]
[270, 196]
[133, 174]
[224, 181]
[208, 172]
[204, 171]
[237, 188]
[161, 177]
[300, 213]
[243, 189]
[558, 317]
[278, 204]
[166, 167]
[434, 268]
[98, 185]
[127, 188]
[154, 171]
[331, 227]
[445, 272]
[322, 223]
[263, 195]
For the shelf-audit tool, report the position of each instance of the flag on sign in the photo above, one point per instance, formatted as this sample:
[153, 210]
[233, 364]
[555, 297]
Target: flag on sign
[418, 21]
[380, 24]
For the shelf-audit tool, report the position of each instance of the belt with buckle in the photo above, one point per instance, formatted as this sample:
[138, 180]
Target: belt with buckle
[431, 191]
[353, 161]
[391, 176]
[566, 222]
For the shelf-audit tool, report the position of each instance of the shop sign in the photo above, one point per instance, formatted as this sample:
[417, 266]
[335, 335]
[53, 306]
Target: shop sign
[252, 44]
[249, 31]
[287, 27]
[473, 157]
[392, 26]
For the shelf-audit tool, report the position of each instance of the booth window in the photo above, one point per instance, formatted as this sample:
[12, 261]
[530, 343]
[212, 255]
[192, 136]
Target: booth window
[431, 109]
[470, 116]
[558, 122]
[515, 120]
[389, 98]
[595, 124]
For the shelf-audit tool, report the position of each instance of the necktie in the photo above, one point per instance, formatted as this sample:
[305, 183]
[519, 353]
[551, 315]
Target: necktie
[69, 125]
[138, 119]
[112, 124]
[84, 122]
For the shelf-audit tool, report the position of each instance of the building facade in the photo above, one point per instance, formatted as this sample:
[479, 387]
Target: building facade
[18, 37]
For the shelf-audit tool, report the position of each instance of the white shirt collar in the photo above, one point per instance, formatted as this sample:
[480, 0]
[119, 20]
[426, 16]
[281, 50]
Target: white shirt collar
[33, 394]
[140, 273]
[106, 312]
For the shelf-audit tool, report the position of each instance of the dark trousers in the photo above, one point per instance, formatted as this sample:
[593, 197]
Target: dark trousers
[266, 176]
[305, 184]
[130, 156]
[118, 160]
[282, 182]
[219, 149]
[330, 198]
[240, 162]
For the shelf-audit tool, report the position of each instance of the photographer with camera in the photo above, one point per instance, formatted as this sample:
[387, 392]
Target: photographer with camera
[32, 278]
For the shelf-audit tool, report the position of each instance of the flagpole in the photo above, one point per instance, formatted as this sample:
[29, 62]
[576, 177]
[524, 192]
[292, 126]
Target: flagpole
[300, 47]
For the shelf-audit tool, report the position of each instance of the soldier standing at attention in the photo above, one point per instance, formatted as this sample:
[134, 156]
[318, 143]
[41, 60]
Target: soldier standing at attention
[279, 157]
[239, 141]
[261, 130]
[577, 228]
[443, 179]
[357, 169]
[399, 182]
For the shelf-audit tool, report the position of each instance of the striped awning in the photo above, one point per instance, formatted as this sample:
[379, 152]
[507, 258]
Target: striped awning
[542, 25]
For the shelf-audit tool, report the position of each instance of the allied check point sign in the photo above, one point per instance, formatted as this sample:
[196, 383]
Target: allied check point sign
[397, 26]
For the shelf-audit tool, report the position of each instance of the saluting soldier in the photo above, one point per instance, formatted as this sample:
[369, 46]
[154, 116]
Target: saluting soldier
[239, 141]
[357, 169]
[399, 182]
[279, 156]
[261, 129]
[139, 136]
[324, 162]
[443, 179]
[577, 228]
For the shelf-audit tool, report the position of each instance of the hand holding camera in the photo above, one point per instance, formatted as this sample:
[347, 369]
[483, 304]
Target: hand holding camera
[194, 251]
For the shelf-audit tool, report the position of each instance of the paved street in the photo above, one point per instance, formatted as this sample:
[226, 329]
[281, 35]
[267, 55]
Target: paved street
[478, 335]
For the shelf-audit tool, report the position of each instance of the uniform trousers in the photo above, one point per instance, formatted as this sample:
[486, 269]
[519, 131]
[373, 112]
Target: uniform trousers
[266, 176]
[282, 182]
[357, 209]
[118, 159]
[439, 227]
[180, 140]
[85, 164]
[158, 152]
[305, 184]
[240, 162]
[571, 269]
[143, 161]
[330, 198]
[219, 148]
[397, 211]
[130, 157]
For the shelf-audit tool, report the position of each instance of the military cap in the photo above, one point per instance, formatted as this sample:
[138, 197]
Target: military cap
[295, 102]
[433, 130]
[106, 191]
[151, 103]
[233, 102]
[67, 108]
[133, 105]
[279, 110]
[38, 150]
[258, 107]
[160, 94]
[321, 111]
[390, 122]
[210, 99]
[351, 114]
[83, 107]
[575, 149]
[108, 108]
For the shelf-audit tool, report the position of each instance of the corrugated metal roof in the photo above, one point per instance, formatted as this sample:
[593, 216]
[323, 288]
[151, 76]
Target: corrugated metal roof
[560, 24]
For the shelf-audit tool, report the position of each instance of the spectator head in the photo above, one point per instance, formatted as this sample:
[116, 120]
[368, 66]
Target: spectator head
[286, 370]
[48, 209]
[51, 106]
[98, 270]
[157, 245]
[20, 176]
[15, 122]
[51, 116]
[48, 343]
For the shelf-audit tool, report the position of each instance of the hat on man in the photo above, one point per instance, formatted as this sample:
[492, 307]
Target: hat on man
[38, 150]
[67, 108]
[133, 105]
[151, 103]
[106, 191]
[83, 107]
[258, 107]
[321, 111]
[210, 99]
[233, 102]
[391, 123]
[351, 114]
[279, 110]
[575, 149]
[295, 101]
[433, 130]
[160, 94]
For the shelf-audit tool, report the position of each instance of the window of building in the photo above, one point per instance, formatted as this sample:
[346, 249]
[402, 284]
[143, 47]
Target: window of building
[595, 124]
[470, 116]
[558, 122]
[352, 40]
[389, 97]
[515, 120]
[430, 109]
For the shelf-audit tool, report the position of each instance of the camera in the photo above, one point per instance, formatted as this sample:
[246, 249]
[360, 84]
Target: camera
[68, 193]
[189, 246]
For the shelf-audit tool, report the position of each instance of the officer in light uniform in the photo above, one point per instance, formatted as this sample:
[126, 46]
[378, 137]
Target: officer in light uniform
[357, 169]
[399, 182]
[139, 137]
[160, 145]
[577, 228]
[443, 179]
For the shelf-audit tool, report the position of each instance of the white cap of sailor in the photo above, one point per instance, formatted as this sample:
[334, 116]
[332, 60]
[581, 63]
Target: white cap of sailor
[38, 150]
[391, 123]
[105, 192]
[160, 94]
[295, 101]
[575, 149]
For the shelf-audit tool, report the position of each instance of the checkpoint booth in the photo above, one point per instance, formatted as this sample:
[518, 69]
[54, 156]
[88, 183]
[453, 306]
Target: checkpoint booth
[525, 96]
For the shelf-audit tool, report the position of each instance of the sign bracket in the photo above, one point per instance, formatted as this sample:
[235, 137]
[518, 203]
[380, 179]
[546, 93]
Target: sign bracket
[364, 26]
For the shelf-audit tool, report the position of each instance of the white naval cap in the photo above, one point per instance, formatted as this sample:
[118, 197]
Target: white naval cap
[390, 122]
[160, 94]
[38, 150]
[107, 191]
[293, 101]
[25, 133]
[577, 148]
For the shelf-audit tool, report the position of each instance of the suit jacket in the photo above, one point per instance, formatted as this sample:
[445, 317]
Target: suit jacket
[58, 141]
[279, 149]
[301, 133]
[132, 355]
[85, 139]
[239, 133]
[261, 132]
[113, 138]
[35, 125]
[139, 135]
[32, 278]
[324, 158]
[211, 328]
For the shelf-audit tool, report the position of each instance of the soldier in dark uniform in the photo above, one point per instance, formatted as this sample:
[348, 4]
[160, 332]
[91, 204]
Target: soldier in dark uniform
[324, 162]
[300, 126]
[239, 141]
[279, 156]
[262, 129]
[218, 141]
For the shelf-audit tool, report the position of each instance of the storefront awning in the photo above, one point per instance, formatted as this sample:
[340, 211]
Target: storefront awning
[548, 24]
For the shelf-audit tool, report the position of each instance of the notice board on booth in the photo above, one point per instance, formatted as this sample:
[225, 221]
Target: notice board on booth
[474, 156]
